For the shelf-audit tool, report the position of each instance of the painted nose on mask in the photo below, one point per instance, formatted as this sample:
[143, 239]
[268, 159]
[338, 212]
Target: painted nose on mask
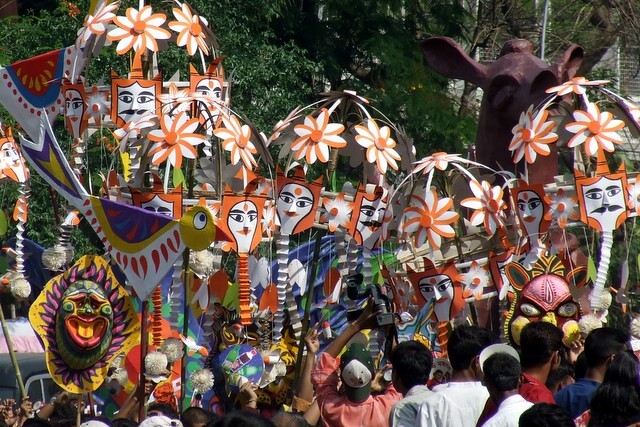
[550, 318]
[292, 208]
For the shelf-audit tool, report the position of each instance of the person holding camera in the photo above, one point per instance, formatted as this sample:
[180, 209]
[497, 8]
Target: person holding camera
[355, 405]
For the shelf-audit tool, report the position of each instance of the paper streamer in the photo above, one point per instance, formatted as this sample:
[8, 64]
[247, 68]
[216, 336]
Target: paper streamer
[282, 255]
[603, 268]
[177, 294]
[244, 293]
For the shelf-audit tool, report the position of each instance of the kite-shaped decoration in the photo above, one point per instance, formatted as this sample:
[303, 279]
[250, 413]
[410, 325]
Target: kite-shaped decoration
[144, 244]
[542, 294]
[132, 97]
[85, 319]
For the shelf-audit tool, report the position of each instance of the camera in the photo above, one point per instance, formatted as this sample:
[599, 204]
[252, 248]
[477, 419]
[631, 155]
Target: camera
[381, 304]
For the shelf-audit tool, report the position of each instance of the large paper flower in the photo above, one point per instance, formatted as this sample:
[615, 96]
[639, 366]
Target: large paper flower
[379, 145]
[131, 130]
[576, 85]
[488, 206]
[236, 139]
[439, 160]
[316, 135]
[189, 29]
[138, 30]
[336, 212]
[475, 280]
[97, 105]
[430, 219]
[97, 23]
[532, 136]
[174, 140]
[595, 130]
[175, 100]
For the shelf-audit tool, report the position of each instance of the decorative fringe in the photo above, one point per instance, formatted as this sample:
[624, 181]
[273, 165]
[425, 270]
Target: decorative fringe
[282, 255]
[177, 294]
[367, 271]
[156, 317]
[244, 293]
[294, 313]
[603, 268]
[77, 156]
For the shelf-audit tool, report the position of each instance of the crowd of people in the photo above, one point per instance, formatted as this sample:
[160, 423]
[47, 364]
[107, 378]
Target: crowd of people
[544, 383]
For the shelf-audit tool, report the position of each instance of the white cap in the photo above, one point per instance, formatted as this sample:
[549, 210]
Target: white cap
[356, 374]
[497, 348]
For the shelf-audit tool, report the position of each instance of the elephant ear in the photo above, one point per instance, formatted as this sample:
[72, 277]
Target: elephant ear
[448, 58]
[518, 275]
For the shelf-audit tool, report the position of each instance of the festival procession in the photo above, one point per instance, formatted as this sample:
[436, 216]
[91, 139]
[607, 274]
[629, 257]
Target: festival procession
[202, 269]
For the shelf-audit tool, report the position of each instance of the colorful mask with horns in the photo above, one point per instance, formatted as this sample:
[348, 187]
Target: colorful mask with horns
[542, 295]
[441, 287]
[297, 201]
[85, 319]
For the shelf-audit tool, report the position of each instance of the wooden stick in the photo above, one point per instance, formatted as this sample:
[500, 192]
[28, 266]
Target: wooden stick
[143, 353]
[14, 361]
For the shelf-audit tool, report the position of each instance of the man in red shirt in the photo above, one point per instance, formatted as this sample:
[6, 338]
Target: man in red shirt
[540, 347]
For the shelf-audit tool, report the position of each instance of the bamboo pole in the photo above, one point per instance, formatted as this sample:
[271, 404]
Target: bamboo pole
[14, 361]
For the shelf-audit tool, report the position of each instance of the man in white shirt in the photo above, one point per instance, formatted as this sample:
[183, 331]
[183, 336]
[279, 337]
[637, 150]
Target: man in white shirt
[459, 403]
[412, 363]
[502, 378]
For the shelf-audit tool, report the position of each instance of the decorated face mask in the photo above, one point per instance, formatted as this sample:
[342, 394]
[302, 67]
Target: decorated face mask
[603, 199]
[368, 216]
[440, 287]
[85, 319]
[131, 98]
[542, 294]
[530, 206]
[210, 84]
[243, 217]
[12, 165]
[297, 202]
[75, 107]
[157, 200]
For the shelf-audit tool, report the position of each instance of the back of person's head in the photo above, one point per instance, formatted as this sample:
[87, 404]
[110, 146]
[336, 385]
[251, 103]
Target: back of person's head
[35, 422]
[160, 421]
[565, 374]
[92, 421]
[162, 409]
[545, 415]
[581, 366]
[289, 419]
[465, 343]
[617, 400]
[243, 419]
[538, 342]
[502, 372]
[412, 362]
[123, 422]
[195, 417]
[602, 343]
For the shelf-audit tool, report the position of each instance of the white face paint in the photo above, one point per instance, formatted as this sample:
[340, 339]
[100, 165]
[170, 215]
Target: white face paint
[11, 163]
[604, 201]
[135, 100]
[243, 222]
[295, 202]
[438, 288]
[530, 212]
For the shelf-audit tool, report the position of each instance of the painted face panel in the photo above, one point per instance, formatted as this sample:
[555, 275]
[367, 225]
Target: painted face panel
[295, 202]
[12, 164]
[75, 108]
[210, 84]
[530, 207]
[603, 201]
[134, 100]
[368, 216]
[156, 200]
[440, 287]
[243, 223]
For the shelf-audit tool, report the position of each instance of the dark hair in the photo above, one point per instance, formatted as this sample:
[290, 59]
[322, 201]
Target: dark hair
[538, 342]
[123, 422]
[194, 416]
[581, 366]
[465, 343]
[555, 377]
[617, 400]
[502, 371]
[36, 422]
[545, 415]
[243, 419]
[164, 409]
[289, 419]
[601, 343]
[412, 362]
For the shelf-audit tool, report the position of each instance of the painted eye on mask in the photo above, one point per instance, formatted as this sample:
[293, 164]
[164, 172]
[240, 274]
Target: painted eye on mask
[529, 310]
[567, 310]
